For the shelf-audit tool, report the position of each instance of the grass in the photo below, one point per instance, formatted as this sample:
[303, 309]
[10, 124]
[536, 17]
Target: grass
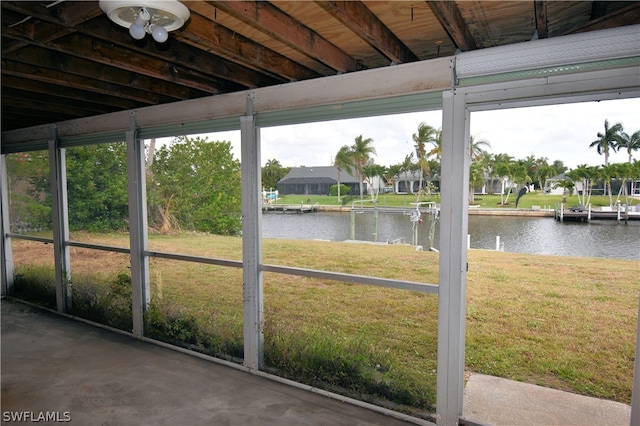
[562, 322]
[482, 201]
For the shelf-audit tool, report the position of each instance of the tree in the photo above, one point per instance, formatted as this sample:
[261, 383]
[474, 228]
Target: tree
[272, 172]
[361, 151]
[405, 167]
[568, 185]
[343, 162]
[29, 190]
[503, 167]
[196, 185]
[476, 147]
[608, 173]
[630, 142]
[370, 171]
[436, 151]
[607, 141]
[476, 179]
[543, 173]
[586, 175]
[97, 187]
[391, 172]
[426, 134]
[476, 172]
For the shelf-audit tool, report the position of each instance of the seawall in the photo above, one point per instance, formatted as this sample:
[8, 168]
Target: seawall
[472, 211]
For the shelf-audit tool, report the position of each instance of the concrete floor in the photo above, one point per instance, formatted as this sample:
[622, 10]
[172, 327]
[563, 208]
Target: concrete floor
[55, 366]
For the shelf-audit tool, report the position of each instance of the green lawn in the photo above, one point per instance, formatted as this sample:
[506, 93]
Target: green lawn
[563, 322]
[482, 201]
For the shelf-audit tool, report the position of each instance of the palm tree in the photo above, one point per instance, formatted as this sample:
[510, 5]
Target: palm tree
[370, 171]
[568, 185]
[476, 147]
[342, 162]
[503, 167]
[405, 167]
[391, 173]
[426, 134]
[272, 172]
[361, 151]
[476, 179]
[607, 141]
[631, 143]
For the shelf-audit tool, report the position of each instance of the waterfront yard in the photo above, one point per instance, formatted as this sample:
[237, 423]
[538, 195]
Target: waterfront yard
[563, 322]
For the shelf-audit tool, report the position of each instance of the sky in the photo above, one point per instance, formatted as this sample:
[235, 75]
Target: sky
[557, 132]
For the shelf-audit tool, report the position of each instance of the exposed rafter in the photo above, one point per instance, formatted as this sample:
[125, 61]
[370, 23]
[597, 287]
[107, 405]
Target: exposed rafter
[542, 25]
[59, 55]
[359, 19]
[211, 36]
[274, 22]
[450, 18]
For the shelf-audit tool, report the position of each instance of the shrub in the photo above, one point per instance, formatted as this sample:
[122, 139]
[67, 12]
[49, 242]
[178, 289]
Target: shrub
[109, 305]
[344, 190]
[35, 284]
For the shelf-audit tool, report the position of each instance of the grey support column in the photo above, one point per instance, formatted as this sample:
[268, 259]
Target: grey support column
[453, 257]
[6, 255]
[60, 220]
[138, 235]
[252, 241]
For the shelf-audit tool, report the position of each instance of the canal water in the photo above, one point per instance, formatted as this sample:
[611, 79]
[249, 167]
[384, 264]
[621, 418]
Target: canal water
[535, 235]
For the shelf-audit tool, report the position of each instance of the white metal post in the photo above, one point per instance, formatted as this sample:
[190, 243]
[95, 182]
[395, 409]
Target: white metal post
[453, 258]
[138, 236]
[60, 220]
[252, 241]
[6, 254]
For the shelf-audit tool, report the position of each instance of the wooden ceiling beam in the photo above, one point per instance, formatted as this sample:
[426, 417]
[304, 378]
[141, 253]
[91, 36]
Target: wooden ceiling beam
[359, 19]
[51, 104]
[201, 62]
[45, 59]
[628, 15]
[103, 53]
[203, 32]
[272, 21]
[94, 86]
[54, 25]
[65, 91]
[16, 117]
[542, 25]
[449, 16]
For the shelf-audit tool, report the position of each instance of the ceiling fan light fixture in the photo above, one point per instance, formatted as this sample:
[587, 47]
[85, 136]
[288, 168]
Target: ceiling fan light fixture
[155, 17]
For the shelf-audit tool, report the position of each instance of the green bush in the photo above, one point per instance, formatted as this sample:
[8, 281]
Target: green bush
[105, 304]
[344, 190]
[35, 284]
[171, 323]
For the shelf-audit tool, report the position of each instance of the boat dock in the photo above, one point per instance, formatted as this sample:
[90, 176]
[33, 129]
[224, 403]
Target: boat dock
[290, 208]
[587, 214]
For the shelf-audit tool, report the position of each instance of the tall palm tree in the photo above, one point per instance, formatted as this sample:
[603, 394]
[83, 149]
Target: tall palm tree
[630, 142]
[476, 147]
[426, 134]
[405, 167]
[342, 162]
[607, 141]
[361, 152]
[436, 151]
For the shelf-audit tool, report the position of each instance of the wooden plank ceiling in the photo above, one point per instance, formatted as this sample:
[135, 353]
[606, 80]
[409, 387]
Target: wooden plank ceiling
[65, 59]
